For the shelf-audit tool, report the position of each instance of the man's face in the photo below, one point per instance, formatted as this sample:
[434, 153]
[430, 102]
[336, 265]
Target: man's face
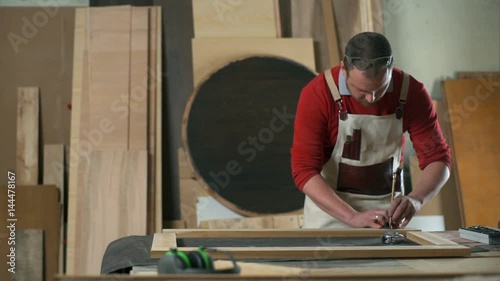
[368, 89]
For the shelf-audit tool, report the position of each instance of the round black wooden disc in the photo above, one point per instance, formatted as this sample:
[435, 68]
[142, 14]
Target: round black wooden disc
[240, 130]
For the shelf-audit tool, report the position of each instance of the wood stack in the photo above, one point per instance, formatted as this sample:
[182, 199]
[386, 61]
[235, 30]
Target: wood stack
[115, 152]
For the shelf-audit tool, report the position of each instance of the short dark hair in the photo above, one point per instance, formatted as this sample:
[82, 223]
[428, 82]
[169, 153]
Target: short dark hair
[366, 45]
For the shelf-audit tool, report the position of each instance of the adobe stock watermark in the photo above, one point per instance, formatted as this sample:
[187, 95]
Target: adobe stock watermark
[251, 146]
[31, 25]
[224, 6]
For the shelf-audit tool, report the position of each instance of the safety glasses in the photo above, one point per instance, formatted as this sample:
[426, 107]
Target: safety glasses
[364, 64]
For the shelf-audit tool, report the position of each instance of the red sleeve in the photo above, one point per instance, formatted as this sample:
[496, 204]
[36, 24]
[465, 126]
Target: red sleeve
[310, 132]
[424, 129]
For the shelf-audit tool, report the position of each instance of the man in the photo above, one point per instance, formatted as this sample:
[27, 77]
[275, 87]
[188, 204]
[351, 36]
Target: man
[348, 141]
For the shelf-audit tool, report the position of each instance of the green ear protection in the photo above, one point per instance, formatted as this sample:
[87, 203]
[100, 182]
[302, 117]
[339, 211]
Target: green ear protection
[196, 262]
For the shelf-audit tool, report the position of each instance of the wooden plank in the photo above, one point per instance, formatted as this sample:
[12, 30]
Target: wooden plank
[330, 32]
[287, 233]
[478, 75]
[332, 252]
[151, 126]
[426, 238]
[115, 185]
[53, 174]
[185, 170]
[79, 93]
[28, 112]
[139, 36]
[274, 222]
[473, 111]
[164, 241]
[209, 54]
[225, 18]
[239, 223]
[36, 207]
[159, 123]
[109, 62]
[29, 253]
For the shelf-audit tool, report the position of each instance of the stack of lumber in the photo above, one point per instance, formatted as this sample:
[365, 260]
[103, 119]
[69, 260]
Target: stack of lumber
[226, 31]
[115, 149]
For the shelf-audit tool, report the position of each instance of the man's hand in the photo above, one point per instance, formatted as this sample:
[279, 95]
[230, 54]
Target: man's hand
[371, 219]
[402, 210]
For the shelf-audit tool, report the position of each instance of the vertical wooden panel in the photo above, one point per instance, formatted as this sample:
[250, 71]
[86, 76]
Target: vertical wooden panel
[139, 79]
[109, 74]
[225, 18]
[159, 172]
[28, 111]
[473, 115]
[210, 54]
[53, 174]
[112, 204]
[80, 81]
[29, 253]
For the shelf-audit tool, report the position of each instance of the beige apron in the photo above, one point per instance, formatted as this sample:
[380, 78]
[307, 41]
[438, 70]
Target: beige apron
[378, 139]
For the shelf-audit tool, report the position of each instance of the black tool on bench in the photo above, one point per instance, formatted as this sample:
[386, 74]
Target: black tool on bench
[483, 234]
[195, 262]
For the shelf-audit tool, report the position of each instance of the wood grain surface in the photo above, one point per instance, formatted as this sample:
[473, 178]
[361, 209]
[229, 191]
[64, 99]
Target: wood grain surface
[473, 116]
[242, 18]
[28, 114]
[112, 203]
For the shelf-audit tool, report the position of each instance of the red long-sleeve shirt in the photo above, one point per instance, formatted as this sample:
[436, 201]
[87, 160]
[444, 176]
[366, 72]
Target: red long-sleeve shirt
[316, 124]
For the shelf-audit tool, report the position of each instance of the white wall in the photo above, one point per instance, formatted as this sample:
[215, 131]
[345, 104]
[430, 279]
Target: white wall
[433, 39]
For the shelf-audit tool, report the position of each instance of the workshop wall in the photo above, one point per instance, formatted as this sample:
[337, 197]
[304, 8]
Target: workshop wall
[432, 40]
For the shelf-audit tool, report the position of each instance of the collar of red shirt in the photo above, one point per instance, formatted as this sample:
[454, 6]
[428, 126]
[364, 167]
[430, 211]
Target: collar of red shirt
[343, 85]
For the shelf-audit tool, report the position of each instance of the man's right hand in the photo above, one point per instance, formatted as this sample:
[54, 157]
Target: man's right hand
[370, 219]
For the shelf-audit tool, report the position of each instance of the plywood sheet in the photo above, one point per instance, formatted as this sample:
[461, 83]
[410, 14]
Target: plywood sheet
[229, 18]
[36, 207]
[109, 73]
[54, 167]
[209, 54]
[112, 203]
[28, 113]
[138, 119]
[79, 121]
[473, 116]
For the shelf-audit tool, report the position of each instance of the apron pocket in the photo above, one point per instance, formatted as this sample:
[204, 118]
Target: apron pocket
[370, 180]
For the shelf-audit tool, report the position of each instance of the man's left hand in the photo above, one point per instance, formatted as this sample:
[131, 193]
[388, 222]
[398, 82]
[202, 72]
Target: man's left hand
[402, 210]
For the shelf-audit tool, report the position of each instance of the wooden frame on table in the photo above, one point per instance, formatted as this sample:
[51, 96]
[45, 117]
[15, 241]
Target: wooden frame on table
[430, 245]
